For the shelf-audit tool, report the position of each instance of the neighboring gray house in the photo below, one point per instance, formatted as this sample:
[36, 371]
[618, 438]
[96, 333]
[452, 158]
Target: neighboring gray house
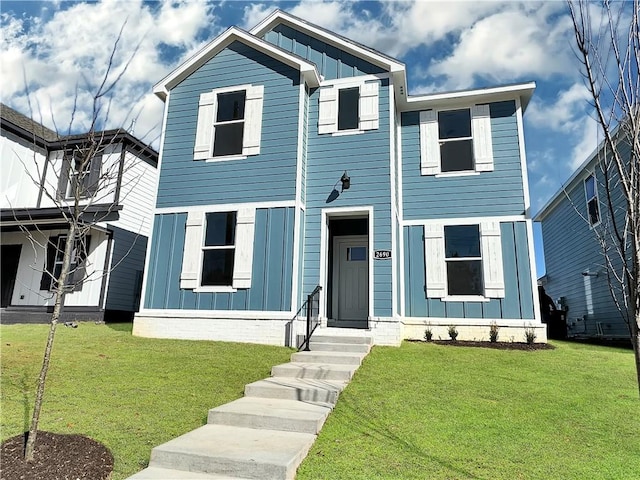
[34, 172]
[293, 157]
[576, 275]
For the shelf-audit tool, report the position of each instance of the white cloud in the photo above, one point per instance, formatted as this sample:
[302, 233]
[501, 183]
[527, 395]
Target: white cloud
[508, 45]
[71, 50]
[565, 114]
[587, 143]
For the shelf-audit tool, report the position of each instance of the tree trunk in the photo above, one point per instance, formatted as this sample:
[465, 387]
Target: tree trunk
[57, 309]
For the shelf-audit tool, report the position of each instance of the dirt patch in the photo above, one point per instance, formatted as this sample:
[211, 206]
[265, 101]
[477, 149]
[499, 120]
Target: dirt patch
[496, 345]
[56, 457]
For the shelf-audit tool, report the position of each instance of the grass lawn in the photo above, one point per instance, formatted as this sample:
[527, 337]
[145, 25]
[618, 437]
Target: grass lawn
[426, 411]
[129, 393]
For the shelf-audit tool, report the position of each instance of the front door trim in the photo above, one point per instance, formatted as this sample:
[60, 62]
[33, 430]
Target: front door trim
[326, 214]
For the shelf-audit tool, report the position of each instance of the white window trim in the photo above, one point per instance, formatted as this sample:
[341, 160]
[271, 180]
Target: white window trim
[206, 123]
[328, 114]
[481, 138]
[193, 251]
[436, 261]
[596, 197]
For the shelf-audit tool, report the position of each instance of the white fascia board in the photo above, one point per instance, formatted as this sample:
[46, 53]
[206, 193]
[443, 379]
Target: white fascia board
[279, 17]
[523, 91]
[307, 69]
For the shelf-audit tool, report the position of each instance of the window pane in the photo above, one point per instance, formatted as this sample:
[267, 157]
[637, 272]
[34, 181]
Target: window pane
[217, 267]
[230, 106]
[348, 108]
[462, 241]
[594, 212]
[356, 254]
[228, 139]
[456, 156]
[454, 124]
[590, 187]
[465, 278]
[221, 229]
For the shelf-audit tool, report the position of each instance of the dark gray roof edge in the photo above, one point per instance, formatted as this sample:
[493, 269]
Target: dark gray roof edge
[34, 131]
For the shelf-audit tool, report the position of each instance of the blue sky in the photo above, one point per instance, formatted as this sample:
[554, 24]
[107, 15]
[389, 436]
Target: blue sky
[56, 49]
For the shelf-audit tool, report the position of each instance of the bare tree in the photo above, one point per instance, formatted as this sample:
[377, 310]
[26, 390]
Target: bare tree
[78, 184]
[607, 38]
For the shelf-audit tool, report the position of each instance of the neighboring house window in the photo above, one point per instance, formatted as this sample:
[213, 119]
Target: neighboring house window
[229, 123]
[79, 176]
[348, 108]
[463, 261]
[218, 250]
[55, 258]
[453, 141]
[593, 206]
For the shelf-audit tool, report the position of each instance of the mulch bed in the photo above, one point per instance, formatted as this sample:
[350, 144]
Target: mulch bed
[495, 345]
[56, 457]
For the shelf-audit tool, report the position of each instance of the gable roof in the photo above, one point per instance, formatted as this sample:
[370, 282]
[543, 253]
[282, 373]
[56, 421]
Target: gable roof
[278, 17]
[233, 34]
[25, 126]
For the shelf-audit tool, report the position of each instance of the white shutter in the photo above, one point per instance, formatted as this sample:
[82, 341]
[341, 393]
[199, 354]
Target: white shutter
[429, 143]
[243, 263]
[253, 120]
[204, 130]
[328, 110]
[192, 249]
[492, 259]
[482, 144]
[436, 273]
[369, 106]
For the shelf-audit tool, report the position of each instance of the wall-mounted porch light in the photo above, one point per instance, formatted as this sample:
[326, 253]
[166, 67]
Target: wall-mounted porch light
[346, 181]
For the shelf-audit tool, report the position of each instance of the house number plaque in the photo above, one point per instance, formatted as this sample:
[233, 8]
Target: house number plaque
[382, 254]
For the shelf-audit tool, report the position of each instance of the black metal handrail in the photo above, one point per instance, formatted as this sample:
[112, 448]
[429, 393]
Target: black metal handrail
[313, 307]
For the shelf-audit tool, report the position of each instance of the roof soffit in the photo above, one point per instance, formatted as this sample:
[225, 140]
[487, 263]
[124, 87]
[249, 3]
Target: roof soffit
[308, 69]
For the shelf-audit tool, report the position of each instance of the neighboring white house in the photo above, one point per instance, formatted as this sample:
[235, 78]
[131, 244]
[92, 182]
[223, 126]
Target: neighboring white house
[35, 176]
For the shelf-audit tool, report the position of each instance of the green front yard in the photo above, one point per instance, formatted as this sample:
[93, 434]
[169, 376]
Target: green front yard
[419, 411]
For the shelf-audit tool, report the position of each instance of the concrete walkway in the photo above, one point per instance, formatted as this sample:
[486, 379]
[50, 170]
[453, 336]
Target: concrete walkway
[267, 433]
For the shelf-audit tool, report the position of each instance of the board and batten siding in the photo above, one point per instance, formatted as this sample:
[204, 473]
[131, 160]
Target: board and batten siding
[269, 176]
[137, 195]
[126, 270]
[518, 300]
[365, 157]
[271, 276]
[22, 162]
[499, 192]
[330, 61]
[571, 248]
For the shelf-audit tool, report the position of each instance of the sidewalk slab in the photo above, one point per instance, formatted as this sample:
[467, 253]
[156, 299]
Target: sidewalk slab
[304, 390]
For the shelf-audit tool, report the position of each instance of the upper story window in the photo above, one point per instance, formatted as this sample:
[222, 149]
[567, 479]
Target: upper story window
[218, 250]
[464, 260]
[591, 193]
[79, 176]
[456, 141]
[348, 108]
[229, 123]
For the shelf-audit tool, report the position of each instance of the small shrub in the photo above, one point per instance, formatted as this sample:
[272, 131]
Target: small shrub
[493, 332]
[428, 333]
[453, 332]
[530, 335]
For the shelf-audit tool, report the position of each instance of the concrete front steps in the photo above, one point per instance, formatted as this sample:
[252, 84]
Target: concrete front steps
[267, 433]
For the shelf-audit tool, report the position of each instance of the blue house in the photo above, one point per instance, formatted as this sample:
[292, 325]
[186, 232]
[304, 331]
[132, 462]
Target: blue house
[292, 157]
[574, 221]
